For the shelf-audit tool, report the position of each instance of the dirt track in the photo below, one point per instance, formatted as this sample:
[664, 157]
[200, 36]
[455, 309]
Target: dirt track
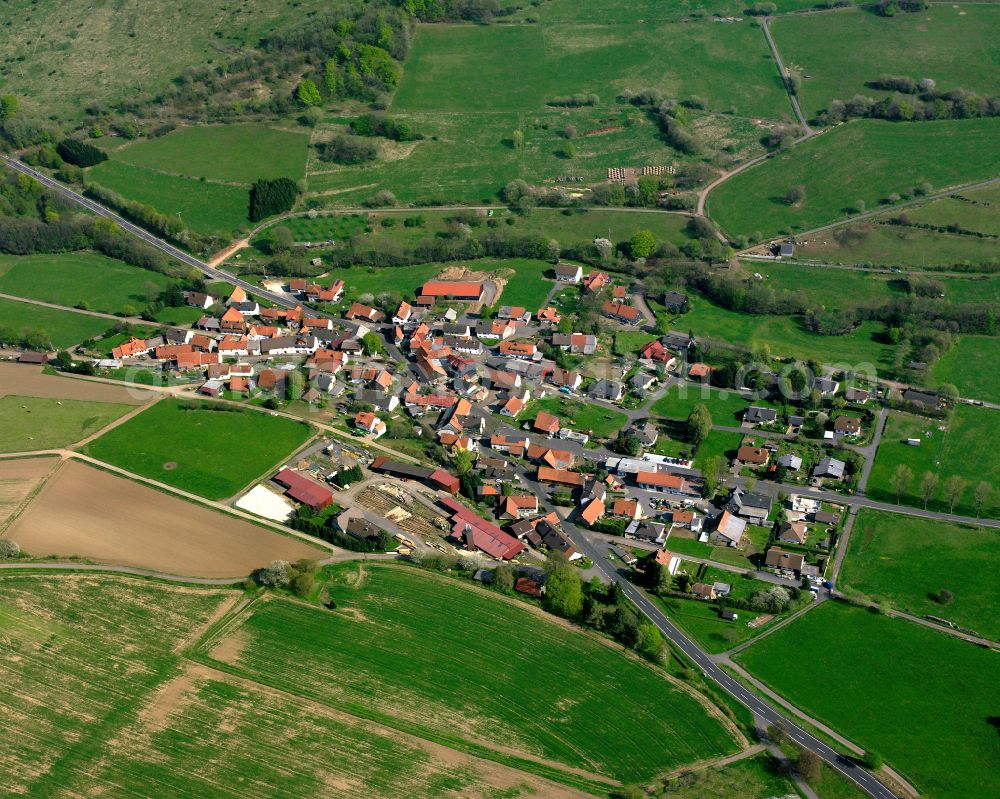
[91, 514]
[28, 381]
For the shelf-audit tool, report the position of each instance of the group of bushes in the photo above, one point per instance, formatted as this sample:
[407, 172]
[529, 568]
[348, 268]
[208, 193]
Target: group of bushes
[911, 100]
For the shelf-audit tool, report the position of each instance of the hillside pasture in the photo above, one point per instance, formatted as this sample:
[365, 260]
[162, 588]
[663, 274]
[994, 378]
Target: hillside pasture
[88, 513]
[924, 700]
[967, 447]
[89, 279]
[32, 423]
[917, 45]
[207, 451]
[908, 560]
[384, 654]
[867, 160]
[62, 329]
[237, 154]
[211, 209]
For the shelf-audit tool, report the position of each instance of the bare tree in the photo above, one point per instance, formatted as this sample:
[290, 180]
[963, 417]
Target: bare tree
[954, 488]
[982, 497]
[901, 480]
[929, 486]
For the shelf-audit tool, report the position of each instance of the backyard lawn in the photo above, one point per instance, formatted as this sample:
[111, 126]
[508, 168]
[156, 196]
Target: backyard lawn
[924, 700]
[584, 417]
[204, 450]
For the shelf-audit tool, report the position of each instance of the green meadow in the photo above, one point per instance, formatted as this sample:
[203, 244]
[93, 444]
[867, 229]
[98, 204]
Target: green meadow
[207, 451]
[841, 52]
[864, 160]
[384, 654]
[922, 699]
[237, 154]
[62, 328]
[212, 209]
[85, 279]
[909, 560]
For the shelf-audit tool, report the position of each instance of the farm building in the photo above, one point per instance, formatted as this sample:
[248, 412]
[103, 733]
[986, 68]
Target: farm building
[302, 489]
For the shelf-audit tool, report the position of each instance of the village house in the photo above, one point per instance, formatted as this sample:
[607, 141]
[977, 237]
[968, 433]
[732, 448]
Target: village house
[656, 352]
[793, 532]
[831, 468]
[568, 273]
[752, 506]
[781, 561]
[846, 426]
[576, 343]
[703, 591]
[675, 302]
[547, 474]
[728, 530]
[607, 390]
[549, 316]
[755, 415]
[518, 507]
[752, 456]
[619, 311]
[546, 423]
[357, 311]
[595, 281]
[514, 313]
[665, 483]
[369, 423]
[593, 511]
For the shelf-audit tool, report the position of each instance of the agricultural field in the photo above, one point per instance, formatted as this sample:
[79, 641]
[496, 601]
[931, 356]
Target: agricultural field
[124, 710]
[62, 329]
[966, 448]
[238, 154]
[209, 452]
[88, 513]
[929, 712]
[19, 478]
[34, 423]
[970, 366]
[917, 45]
[897, 157]
[211, 209]
[31, 381]
[61, 58]
[908, 560]
[80, 279]
[600, 421]
[384, 654]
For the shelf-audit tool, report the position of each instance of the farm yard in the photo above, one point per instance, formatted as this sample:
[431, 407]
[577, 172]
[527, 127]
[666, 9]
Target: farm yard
[897, 157]
[928, 713]
[903, 559]
[966, 447]
[88, 513]
[35, 423]
[80, 279]
[382, 652]
[916, 45]
[207, 451]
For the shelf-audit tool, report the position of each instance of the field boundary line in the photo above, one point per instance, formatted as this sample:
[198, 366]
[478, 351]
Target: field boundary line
[69, 569]
[32, 494]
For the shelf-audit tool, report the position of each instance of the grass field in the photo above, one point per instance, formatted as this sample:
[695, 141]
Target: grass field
[787, 335]
[970, 365]
[839, 287]
[726, 407]
[213, 209]
[890, 245]
[918, 45]
[212, 453]
[906, 559]
[63, 57]
[967, 448]
[922, 699]
[101, 283]
[458, 68]
[896, 157]
[754, 778]
[33, 423]
[385, 654]
[62, 328]
[224, 153]
[598, 420]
